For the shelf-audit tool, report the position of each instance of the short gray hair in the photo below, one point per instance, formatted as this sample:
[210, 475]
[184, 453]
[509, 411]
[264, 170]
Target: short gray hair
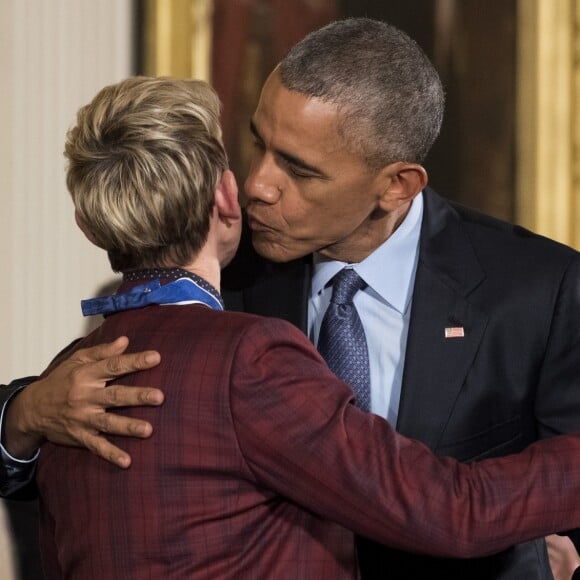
[144, 160]
[388, 93]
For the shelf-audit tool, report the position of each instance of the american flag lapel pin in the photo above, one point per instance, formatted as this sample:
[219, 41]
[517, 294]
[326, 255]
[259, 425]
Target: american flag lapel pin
[454, 332]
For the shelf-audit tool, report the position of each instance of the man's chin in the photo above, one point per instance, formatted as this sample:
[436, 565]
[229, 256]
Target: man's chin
[275, 252]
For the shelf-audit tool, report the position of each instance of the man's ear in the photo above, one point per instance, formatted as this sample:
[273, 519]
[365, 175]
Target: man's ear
[85, 229]
[226, 198]
[404, 181]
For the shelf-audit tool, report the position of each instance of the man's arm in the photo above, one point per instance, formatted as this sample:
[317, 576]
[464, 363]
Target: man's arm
[69, 405]
[558, 394]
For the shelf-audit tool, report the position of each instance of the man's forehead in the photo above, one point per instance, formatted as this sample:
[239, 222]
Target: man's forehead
[292, 110]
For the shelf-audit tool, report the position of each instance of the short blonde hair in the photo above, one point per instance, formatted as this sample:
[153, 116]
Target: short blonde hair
[144, 160]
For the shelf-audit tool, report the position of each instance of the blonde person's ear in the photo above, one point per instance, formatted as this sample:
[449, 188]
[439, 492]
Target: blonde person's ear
[226, 198]
[227, 226]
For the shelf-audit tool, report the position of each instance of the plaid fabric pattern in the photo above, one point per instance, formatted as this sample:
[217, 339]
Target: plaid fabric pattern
[256, 452]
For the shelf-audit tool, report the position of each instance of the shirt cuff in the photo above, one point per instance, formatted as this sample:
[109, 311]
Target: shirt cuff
[18, 472]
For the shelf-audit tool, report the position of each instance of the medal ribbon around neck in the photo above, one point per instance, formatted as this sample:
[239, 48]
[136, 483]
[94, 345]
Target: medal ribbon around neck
[182, 291]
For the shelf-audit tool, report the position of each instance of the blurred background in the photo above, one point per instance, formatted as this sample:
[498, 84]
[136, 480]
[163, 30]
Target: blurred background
[509, 145]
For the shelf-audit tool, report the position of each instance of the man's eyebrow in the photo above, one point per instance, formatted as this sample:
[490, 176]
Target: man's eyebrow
[292, 159]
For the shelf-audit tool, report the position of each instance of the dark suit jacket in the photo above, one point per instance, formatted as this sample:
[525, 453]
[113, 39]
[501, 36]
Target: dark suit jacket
[514, 378]
[255, 449]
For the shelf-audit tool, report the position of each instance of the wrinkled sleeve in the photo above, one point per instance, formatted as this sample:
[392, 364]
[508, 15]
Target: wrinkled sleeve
[302, 437]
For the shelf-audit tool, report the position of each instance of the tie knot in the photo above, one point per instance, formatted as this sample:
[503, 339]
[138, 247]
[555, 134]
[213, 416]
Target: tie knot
[345, 285]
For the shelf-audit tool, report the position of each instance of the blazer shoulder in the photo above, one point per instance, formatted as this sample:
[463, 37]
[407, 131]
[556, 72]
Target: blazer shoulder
[492, 238]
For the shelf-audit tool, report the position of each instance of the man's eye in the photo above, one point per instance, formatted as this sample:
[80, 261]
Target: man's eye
[298, 173]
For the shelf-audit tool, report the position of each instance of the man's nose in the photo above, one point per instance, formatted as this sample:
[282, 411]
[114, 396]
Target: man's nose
[264, 181]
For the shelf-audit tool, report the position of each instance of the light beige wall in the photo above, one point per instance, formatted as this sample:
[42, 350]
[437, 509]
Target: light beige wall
[54, 56]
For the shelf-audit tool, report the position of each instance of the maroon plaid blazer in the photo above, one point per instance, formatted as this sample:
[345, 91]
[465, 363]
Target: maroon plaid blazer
[260, 463]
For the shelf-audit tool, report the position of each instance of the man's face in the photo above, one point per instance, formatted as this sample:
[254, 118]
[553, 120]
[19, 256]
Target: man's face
[306, 191]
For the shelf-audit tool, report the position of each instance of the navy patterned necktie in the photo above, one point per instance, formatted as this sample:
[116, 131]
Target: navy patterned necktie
[342, 341]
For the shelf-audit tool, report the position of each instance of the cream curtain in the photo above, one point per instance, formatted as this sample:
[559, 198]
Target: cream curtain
[548, 194]
[54, 56]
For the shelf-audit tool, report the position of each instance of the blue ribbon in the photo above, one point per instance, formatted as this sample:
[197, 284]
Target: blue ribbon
[182, 290]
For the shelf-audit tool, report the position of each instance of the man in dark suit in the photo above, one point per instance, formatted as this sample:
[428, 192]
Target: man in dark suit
[470, 322]
[261, 460]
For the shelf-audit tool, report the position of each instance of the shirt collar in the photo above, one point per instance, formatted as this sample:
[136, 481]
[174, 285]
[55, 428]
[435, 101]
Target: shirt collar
[390, 270]
[166, 275]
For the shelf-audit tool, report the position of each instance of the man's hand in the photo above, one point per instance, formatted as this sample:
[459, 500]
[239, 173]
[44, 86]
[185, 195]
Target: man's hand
[563, 556]
[69, 405]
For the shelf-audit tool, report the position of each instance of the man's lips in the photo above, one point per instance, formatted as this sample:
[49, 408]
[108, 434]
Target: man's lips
[257, 225]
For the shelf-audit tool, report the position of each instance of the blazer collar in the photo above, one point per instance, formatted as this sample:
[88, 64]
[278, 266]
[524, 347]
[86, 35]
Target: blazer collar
[445, 247]
[436, 367]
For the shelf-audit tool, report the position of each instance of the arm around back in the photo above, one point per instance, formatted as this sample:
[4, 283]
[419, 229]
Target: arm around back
[301, 436]
[68, 405]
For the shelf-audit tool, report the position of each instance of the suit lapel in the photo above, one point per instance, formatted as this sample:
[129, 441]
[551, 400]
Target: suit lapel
[436, 367]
